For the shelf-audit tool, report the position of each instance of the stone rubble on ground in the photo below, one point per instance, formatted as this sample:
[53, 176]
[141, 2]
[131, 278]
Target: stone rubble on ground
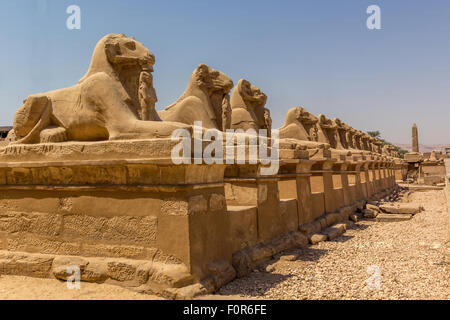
[413, 257]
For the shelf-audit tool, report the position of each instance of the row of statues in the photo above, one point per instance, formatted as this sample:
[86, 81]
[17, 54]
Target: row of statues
[116, 100]
[322, 132]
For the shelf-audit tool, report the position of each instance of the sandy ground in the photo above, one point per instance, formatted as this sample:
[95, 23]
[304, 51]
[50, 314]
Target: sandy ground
[412, 259]
[24, 288]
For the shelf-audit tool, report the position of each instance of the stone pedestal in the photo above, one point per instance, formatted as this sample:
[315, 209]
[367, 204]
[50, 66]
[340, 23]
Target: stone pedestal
[114, 199]
[329, 194]
[245, 186]
[413, 157]
[347, 198]
[294, 183]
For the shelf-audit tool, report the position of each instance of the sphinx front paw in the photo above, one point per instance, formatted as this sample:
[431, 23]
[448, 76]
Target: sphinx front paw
[55, 134]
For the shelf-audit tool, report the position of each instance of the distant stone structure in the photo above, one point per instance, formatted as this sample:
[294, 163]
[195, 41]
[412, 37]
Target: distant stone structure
[415, 139]
[88, 179]
[4, 132]
[424, 168]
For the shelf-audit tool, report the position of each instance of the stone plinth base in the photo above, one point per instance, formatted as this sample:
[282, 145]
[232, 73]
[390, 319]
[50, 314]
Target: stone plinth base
[413, 157]
[115, 200]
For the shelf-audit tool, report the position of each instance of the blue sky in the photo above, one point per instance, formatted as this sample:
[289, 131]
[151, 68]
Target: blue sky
[314, 53]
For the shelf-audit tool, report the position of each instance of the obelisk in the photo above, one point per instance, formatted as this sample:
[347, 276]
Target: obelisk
[415, 139]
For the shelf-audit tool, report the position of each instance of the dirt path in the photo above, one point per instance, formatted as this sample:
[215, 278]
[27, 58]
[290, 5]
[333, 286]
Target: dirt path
[412, 258]
[24, 288]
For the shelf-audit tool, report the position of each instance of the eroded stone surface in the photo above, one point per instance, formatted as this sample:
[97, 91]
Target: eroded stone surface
[401, 208]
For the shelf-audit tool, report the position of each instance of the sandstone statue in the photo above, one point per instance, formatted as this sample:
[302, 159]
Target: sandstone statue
[110, 102]
[147, 97]
[365, 139]
[377, 146]
[247, 107]
[268, 122]
[341, 129]
[226, 113]
[302, 125]
[205, 99]
[387, 150]
[328, 133]
[349, 136]
[357, 139]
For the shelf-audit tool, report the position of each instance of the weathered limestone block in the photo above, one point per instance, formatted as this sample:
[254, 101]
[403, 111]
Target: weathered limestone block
[139, 230]
[317, 237]
[345, 212]
[310, 228]
[223, 272]
[121, 271]
[197, 204]
[332, 218]
[373, 207]
[294, 182]
[335, 231]
[247, 187]
[246, 260]
[243, 226]
[36, 265]
[132, 208]
[90, 270]
[389, 217]
[170, 274]
[124, 272]
[325, 168]
[38, 223]
[175, 207]
[401, 208]
[413, 157]
[292, 149]
[289, 214]
[369, 213]
[29, 242]
[217, 202]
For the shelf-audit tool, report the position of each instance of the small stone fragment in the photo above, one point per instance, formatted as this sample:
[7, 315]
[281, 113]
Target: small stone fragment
[369, 213]
[317, 237]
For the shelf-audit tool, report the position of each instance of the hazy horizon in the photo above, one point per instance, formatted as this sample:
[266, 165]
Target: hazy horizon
[317, 54]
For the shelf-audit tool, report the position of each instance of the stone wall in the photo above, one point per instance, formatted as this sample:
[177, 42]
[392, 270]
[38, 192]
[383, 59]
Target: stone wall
[140, 221]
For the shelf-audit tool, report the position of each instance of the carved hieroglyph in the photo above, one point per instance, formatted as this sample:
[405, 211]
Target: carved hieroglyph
[247, 106]
[109, 102]
[205, 99]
